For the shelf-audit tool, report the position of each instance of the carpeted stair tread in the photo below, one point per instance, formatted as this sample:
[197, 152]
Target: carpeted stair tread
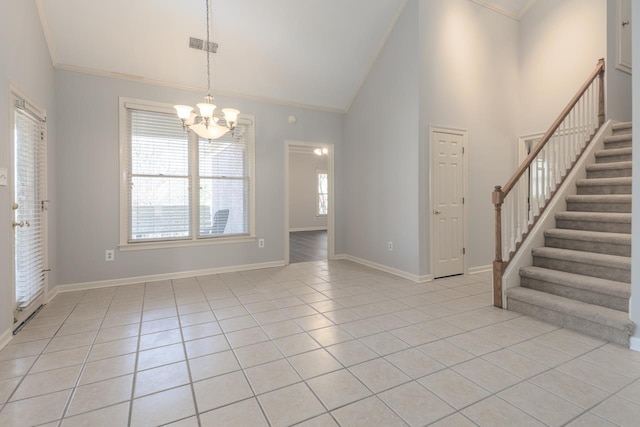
[623, 218]
[615, 203]
[622, 126]
[609, 169]
[589, 236]
[615, 139]
[612, 325]
[599, 198]
[590, 258]
[578, 281]
[613, 155]
[609, 166]
[589, 241]
[597, 182]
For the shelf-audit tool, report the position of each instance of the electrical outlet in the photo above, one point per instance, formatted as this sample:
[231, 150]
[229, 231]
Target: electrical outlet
[390, 247]
[109, 255]
[261, 243]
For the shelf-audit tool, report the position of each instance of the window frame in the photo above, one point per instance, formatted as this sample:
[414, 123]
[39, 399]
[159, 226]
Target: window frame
[194, 239]
[318, 194]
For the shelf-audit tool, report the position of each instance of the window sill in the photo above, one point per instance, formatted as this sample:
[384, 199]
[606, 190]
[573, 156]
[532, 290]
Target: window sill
[144, 246]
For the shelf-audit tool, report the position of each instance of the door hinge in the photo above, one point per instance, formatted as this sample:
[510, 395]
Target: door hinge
[462, 150]
[463, 200]
[464, 251]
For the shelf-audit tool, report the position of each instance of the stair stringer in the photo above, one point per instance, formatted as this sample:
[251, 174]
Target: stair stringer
[535, 239]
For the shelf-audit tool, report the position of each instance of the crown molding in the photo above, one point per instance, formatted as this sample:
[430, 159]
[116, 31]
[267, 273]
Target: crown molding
[142, 79]
[503, 11]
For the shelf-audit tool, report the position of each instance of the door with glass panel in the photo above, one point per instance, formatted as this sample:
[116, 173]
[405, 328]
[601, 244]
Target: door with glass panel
[28, 207]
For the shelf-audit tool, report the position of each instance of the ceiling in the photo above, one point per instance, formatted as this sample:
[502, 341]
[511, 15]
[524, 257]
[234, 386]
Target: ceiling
[298, 52]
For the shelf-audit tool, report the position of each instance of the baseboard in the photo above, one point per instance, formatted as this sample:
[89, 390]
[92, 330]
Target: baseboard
[390, 270]
[157, 277]
[6, 338]
[293, 230]
[481, 269]
[634, 343]
[338, 257]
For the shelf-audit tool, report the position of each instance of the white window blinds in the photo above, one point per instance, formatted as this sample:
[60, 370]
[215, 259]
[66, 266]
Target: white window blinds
[30, 198]
[180, 187]
[159, 195]
[224, 175]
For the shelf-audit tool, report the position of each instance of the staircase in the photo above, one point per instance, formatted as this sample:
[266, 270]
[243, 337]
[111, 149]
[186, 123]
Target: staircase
[581, 278]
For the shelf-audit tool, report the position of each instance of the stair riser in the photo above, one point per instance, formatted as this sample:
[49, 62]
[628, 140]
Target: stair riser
[610, 173]
[607, 227]
[612, 159]
[587, 246]
[610, 273]
[566, 321]
[584, 190]
[599, 207]
[608, 301]
[617, 144]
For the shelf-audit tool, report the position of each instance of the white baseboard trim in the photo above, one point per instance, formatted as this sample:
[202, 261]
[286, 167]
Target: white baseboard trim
[293, 230]
[6, 338]
[157, 277]
[634, 343]
[390, 270]
[338, 257]
[481, 269]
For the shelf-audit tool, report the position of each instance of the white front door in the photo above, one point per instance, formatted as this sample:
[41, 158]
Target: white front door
[447, 204]
[28, 207]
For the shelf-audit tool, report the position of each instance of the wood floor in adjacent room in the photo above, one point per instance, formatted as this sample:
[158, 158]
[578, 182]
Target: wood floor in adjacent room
[305, 246]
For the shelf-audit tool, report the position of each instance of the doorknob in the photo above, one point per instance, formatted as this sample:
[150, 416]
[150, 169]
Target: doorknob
[14, 206]
[15, 224]
[437, 212]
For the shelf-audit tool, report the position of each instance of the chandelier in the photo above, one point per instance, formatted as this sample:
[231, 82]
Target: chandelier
[208, 124]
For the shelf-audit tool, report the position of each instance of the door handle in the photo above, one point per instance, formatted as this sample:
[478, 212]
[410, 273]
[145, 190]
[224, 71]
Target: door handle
[15, 224]
[437, 212]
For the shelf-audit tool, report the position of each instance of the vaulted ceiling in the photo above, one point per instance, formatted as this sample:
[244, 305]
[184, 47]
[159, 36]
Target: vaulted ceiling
[306, 52]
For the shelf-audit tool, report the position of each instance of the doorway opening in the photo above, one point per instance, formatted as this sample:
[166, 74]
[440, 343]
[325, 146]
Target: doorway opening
[309, 211]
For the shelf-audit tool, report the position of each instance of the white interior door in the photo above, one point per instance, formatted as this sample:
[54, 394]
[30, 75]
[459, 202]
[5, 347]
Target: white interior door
[447, 165]
[28, 207]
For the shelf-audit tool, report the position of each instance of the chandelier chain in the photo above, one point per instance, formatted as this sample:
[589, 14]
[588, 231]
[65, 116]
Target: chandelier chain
[208, 53]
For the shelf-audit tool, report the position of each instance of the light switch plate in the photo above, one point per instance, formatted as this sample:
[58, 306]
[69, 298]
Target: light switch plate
[4, 180]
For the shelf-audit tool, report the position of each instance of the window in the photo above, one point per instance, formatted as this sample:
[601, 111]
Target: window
[177, 188]
[323, 193]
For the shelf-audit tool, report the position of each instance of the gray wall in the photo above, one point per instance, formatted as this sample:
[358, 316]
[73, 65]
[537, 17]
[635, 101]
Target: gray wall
[618, 84]
[25, 64]
[560, 44]
[469, 79]
[303, 183]
[635, 222]
[381, 151]
[88, 183]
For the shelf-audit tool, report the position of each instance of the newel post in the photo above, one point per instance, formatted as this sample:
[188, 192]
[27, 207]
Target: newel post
[498, 264]
[601, 94]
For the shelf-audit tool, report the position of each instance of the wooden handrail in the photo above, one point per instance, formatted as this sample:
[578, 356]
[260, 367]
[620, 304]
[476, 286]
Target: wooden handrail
[598, 72]
[500, 193]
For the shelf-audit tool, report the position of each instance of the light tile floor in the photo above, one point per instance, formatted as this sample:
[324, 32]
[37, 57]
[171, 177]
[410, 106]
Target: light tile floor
[311, 344]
